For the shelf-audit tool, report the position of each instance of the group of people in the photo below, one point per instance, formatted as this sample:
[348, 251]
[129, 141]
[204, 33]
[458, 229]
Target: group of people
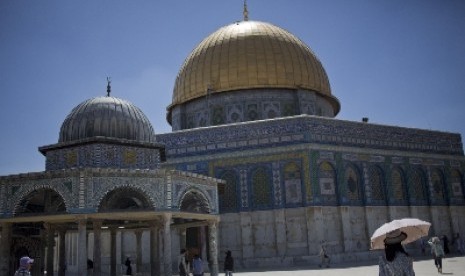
[397, 261]
[184, 268]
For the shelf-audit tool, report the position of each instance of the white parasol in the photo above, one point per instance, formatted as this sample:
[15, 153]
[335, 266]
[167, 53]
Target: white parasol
[414, 228]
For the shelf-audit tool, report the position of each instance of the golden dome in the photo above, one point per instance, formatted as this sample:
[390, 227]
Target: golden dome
[247, 55]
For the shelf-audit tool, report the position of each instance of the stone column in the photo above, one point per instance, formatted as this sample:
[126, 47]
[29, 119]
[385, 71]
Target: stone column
[82, 247]
[154, 256]
[50, 244]
[183, 233]
[62, 251]
[97, 227]
[161, 253]
[43, 247]
[5, 248]
[212, 225]
[113, 250]
[203, 244]
[138, 233]
[167, 244]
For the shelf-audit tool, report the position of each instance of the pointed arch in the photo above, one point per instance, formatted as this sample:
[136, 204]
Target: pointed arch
[228, 192]
[194, 201]
[377, 185]
[398, 185]
[418, 194]
[40, 201]
[438, 191]
[125, 198]
[327, 183]
[261, 188]
[292, 183]
[353, 189]
[456, 185]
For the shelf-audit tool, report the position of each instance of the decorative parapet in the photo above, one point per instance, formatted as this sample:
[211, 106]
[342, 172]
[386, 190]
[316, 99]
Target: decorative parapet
[101, 152]
[83, 190]
[308, 129]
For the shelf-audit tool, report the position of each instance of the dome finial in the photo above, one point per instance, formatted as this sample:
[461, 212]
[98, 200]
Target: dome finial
[246, 12]
[108, 86]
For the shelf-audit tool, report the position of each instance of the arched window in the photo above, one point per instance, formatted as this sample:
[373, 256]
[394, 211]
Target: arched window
[228, 192]
[194, 201]
[418, 186]
[456, 184]
[352, 182]
[41, 201]
[261, 188]
[375, 178]
[217, 115]
[125, 198]
[327, 182]
[437, 180]
[398, 184]
[292, 183]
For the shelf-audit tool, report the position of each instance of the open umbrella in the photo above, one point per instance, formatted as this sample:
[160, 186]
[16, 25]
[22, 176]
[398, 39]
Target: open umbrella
[414, 228]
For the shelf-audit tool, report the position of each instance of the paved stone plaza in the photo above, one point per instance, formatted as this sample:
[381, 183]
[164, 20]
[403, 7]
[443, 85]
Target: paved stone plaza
[422, 267]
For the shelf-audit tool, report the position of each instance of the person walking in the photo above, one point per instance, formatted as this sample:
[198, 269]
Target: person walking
[437, 251]
[395, 261]
[228, 264]
[182, 265]
[423, 246]
[197, 266]
[324, 258]
[128, 266]
[25, 264]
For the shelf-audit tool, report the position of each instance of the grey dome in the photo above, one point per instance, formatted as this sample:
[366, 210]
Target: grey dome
[107, 117]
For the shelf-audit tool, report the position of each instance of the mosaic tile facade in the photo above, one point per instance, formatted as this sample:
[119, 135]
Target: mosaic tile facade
[248, 105]
[103, 155]
[84, 190]
[312, 129]
[271, 156]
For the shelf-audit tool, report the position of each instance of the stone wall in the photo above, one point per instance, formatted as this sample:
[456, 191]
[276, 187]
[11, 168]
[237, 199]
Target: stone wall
[292, 237]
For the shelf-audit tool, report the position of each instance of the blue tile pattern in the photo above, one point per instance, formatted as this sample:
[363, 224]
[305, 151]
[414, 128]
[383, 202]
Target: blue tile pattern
[370, 165]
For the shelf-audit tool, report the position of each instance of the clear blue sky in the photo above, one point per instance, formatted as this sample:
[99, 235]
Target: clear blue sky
[398, 62]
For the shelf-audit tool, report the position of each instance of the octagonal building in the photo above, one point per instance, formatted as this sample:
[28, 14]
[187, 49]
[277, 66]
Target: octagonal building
[257, 164]
[252, 105]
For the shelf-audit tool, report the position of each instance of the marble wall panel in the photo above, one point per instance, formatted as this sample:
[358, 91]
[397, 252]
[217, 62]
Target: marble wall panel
[398, 212]
[354, 229]
[441, 221]
[296, 232]
[375, 217]
[263, 234]
[230, 233]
